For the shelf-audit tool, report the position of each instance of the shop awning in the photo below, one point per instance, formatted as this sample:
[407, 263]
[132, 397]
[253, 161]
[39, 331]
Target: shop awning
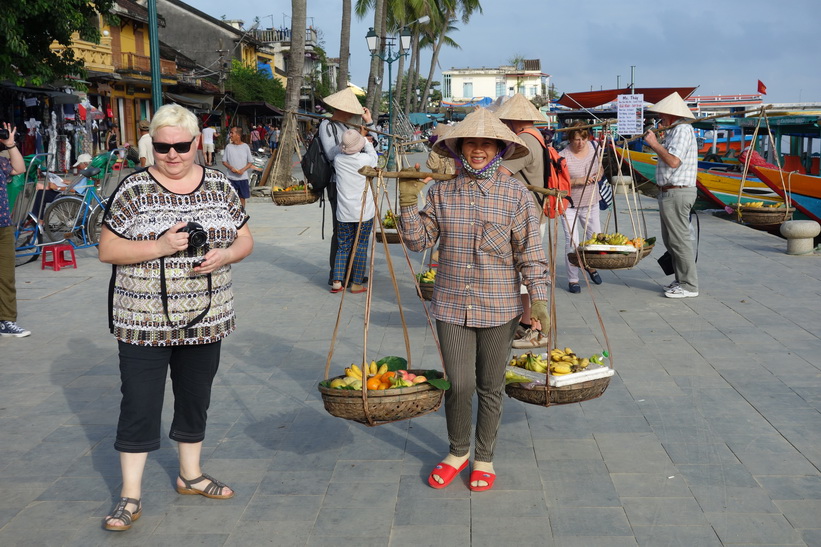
[194, 100]
[57, 97]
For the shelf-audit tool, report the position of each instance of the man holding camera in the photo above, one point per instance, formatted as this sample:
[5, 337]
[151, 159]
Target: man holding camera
[11, 163]
[237, 159]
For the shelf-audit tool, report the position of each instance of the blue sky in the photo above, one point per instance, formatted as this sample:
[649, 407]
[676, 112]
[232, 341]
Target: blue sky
[722, 46]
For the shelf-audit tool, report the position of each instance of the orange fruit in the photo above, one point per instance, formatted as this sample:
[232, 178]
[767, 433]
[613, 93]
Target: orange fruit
[373, 383]
[388, 375]
[384, 385]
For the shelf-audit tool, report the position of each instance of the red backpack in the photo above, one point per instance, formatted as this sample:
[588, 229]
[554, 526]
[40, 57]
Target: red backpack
[556, 176]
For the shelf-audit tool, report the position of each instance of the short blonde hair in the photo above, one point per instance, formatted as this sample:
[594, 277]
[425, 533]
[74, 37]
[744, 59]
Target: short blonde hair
[578, 129]
[174, 115]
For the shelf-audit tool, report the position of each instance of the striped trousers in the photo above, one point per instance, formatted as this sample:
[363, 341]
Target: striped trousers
[346, 234]
[475, 360]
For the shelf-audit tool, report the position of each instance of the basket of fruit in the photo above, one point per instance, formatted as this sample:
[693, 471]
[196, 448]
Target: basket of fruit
[296, 194]
[426, 281]
[758, 214]
[611, 252]
[388, 231]
[557, 378]
[383, 392]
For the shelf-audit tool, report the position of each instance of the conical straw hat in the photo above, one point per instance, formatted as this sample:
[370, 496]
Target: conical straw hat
[483, 124]
[519, 108]
[673, 105]
[345, 101]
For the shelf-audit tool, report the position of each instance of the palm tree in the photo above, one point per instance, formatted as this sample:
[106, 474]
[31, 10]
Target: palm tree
[361, 8]
[449, 9]
[296, 55]
[344, 46]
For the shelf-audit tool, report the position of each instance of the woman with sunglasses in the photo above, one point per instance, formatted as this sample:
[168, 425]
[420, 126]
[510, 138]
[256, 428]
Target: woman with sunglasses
[170, 302]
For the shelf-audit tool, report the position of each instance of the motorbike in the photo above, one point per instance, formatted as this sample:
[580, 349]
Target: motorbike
[261, 157]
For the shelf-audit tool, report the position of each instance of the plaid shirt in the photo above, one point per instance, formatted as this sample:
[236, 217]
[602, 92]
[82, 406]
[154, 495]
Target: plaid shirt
[679, 141]
[488, 234]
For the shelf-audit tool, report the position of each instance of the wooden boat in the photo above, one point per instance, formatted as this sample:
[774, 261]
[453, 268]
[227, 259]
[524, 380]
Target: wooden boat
[714, 181]
[802, 191]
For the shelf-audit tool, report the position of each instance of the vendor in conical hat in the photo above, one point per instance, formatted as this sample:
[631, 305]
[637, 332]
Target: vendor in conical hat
[676, 176]
[346, 110]
[519, 114]
[487, 227]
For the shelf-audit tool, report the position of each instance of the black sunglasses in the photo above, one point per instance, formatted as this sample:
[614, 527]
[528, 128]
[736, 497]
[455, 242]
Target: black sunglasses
[180, 147]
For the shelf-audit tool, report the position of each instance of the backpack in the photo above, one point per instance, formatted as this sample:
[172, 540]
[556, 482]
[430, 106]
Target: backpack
[318, 170]
[556, 176]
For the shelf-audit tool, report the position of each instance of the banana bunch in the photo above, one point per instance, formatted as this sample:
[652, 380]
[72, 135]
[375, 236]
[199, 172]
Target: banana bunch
[530, 361]
[564, 361]
[754, 204]
[427, 277]
[607, 239]
[775, 205]
[371, 370]
[389, 221]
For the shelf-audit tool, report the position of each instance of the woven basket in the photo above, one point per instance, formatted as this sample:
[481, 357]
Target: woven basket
[294, 197]
[609, 261]
[761, 216]
[384, 406]
[565, 395]
[427, 290]
[390, 234]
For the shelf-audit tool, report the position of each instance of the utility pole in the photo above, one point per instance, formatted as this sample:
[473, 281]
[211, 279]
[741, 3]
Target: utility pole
[222, 76]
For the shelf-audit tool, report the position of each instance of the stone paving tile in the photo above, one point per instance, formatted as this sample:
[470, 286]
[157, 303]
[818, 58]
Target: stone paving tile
[753, 528]
[676, 536]
[702, 434]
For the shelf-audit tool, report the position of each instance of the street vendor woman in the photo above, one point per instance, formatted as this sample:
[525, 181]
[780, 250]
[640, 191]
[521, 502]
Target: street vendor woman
[487, 228]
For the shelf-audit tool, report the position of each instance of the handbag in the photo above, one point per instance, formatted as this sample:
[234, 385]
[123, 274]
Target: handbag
[606, 193]
[666, 263]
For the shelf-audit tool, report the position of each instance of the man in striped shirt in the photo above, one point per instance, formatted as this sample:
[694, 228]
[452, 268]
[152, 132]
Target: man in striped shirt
[488, 232]
[676, 176]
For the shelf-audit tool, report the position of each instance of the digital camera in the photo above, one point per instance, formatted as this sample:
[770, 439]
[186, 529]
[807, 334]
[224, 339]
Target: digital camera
[197, 236]
[4, 133]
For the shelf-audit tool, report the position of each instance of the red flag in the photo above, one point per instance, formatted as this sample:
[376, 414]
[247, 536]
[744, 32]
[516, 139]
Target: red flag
[762, 88]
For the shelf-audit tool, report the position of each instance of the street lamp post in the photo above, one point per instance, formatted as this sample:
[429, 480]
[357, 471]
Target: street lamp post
[390, 57]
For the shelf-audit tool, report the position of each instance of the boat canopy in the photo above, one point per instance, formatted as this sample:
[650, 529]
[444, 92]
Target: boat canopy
[592, 99]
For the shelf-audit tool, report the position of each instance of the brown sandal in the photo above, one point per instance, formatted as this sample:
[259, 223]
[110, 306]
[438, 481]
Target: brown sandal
[213, 490]
[121, 513]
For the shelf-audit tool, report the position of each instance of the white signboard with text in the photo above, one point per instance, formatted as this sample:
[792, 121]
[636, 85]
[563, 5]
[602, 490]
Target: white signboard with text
[630, 114]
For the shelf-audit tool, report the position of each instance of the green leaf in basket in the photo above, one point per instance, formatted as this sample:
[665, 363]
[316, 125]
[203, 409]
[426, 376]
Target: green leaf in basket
[394, 363]
[439, 383]
[649, 241]
[325, 383]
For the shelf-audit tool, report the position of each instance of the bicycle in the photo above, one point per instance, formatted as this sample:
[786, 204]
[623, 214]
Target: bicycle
[28, 236]
[78, 219]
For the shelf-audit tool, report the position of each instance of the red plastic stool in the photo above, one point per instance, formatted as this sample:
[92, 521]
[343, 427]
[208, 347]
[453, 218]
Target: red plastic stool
[58, 257]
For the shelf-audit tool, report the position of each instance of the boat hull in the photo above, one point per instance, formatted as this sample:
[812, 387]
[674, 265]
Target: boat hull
[802, 191]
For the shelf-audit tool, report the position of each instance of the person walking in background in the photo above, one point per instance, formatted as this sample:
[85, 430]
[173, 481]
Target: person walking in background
[254, 137]
[346, 109]
[238, 160]
[519, 114]
[487, 226]
[11, 163]
[583, 214]
[676, 176]
[208, 134]
[145, 147]
[170, 303]
[352, 154]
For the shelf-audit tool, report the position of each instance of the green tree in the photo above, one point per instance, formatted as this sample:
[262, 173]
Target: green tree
[251, 84]
[28, 29]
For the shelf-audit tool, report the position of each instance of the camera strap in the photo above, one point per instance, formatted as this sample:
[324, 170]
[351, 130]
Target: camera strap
[164, 297]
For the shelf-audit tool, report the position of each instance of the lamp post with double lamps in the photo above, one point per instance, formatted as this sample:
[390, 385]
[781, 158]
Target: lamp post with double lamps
[390, 57]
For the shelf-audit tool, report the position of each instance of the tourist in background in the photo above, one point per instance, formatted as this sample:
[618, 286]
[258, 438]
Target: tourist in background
[238, 160]
[582, 215]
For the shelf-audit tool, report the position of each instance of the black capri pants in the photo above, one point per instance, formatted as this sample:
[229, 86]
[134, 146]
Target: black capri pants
[143, 371]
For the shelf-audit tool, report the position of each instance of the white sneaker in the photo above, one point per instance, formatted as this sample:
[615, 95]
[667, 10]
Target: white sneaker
[679, 292]
[531, 339]
[10, 328]
[671, 286]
